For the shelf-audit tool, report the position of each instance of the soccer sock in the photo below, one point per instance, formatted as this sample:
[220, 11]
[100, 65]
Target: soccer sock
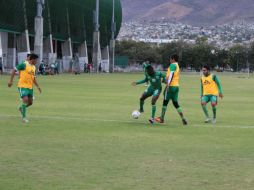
[214, 111]
[153, 110]
[163, 111]
[205, 110]
[142, 105]
[180, 112]
[23, 107]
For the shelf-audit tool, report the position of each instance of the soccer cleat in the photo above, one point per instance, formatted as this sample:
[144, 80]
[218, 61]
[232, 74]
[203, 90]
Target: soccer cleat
[159, 120]
[141, 110]
[25, 120]
[151, 120]
[184, 121]
[213, 120]
[207, 120]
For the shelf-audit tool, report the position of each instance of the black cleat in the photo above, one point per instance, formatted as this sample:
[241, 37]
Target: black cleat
[184, 122]
[151, 120]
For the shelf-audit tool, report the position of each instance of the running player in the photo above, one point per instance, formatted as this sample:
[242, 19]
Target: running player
[210, 90]
[25, 85]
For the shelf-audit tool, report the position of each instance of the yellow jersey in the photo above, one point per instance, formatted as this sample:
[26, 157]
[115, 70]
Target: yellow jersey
[209, 86]
[175, 68]
[26, 75]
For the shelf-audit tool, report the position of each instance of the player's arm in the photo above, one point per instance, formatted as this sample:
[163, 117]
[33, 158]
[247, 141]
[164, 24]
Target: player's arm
[37, 85]
[201, 88]
[171, 74]
[163, 76]
[19, 67]
[217, 81]
[10, 83]
[140, 82]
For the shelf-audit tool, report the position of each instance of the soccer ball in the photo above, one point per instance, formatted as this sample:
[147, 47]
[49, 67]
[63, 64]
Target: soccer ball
[135, 114]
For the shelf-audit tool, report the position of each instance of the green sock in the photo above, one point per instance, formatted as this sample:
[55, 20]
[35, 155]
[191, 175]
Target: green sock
[163, 111]
[214, 112]
[180, 112]
[23, 107]
[205, 110]
[141, 105]
[153, 110]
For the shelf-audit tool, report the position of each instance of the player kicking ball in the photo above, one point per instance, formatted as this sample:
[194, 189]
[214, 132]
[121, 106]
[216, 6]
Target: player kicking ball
[25, 85]
[210, 90]
[155, 79]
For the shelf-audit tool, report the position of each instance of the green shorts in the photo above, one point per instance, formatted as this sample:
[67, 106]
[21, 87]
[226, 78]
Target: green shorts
[171, 93]
[25, 92]
[150, 91]
[208, 98]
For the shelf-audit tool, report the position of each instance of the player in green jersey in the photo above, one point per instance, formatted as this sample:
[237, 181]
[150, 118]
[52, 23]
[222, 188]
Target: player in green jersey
[155, 79]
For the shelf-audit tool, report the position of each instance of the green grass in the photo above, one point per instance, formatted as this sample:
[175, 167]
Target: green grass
[81, 137]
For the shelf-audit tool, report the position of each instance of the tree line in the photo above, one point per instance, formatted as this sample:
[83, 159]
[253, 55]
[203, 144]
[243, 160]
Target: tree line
[192, 56]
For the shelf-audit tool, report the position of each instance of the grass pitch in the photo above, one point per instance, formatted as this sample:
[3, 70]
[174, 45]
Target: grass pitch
[81, 136]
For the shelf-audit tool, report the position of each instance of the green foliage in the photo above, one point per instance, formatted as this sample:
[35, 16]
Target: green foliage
[193, 56]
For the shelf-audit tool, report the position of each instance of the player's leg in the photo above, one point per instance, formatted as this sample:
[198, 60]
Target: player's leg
[148, 92]
[175, 91]
[214, 104]
[24, 94]
[142, 99]
[30, 97]
[155, 97]
[166, 99]
[30, 101]
[204, 101]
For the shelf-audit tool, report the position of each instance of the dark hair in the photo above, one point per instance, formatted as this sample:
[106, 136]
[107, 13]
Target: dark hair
[33, 56]
[149, 70]
[175, 57]
[207, 67]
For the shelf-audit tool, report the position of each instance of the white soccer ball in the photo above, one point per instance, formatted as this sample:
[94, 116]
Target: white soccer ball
[135, 114]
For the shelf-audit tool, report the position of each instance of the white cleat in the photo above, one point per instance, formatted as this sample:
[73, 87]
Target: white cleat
[214, 121]
[207, 120]
[25, 120]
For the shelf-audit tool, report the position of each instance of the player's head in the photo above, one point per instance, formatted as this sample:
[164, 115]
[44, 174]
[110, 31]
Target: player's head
[206, 70]
[33, 58]
[173, 58]
[28, 56]
[150, 70]
[145, 64]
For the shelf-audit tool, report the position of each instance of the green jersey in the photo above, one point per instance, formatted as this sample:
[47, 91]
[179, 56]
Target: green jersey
[154, 80]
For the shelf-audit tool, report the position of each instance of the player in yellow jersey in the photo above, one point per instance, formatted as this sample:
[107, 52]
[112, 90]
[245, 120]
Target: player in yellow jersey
[26, 80]
[172, 89]
[210, 90]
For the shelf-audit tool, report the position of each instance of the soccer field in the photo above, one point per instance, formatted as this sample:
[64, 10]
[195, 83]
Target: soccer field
[81, 137]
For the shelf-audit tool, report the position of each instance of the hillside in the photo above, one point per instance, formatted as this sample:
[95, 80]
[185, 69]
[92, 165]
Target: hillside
[195, 12]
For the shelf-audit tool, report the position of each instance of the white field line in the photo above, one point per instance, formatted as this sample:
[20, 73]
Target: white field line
[121, 121]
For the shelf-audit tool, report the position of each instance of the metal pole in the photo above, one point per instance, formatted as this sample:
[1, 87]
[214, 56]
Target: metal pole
[97, 16]
[113, 21]
[38, 39]
[26, 27]
[96, 39]
[112, 41]
[248, 64]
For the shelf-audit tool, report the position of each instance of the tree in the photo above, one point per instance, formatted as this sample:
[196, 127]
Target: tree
[237, 57]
